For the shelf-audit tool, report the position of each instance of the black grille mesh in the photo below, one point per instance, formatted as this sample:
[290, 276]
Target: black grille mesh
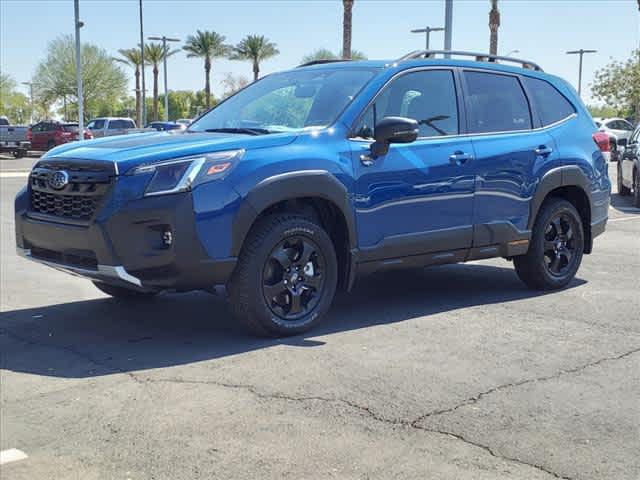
[71, 206]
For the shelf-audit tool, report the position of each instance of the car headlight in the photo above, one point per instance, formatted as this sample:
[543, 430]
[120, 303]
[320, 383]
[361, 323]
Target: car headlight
[183, 174]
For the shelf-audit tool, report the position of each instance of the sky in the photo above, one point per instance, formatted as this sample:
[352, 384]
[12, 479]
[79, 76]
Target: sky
[542, 31]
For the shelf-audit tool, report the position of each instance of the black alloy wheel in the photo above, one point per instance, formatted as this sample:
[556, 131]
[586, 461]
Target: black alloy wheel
[293, 277]
[559, 244]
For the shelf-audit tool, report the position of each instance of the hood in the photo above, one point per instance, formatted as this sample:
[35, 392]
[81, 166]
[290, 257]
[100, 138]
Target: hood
[129, 151]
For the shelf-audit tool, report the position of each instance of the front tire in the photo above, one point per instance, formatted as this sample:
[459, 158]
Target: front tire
[122, 293]
[622, 190]
[286, 276]
[556, 248]
[636, 189]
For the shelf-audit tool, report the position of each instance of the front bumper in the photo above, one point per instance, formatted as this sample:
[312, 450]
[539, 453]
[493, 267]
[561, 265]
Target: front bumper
[125, 244]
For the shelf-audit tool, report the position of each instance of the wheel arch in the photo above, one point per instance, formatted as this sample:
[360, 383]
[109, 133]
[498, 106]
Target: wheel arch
[315, 193]
[572, 184]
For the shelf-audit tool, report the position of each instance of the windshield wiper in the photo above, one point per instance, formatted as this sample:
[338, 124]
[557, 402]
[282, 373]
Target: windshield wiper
[248, 131]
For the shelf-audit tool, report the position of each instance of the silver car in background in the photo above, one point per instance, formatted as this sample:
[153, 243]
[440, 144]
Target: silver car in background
[619, 131]
[110, 126]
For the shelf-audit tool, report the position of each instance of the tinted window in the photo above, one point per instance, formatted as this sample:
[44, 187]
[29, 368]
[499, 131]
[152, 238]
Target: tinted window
[497, 103]
[97, 125]
[550, 104]
[429, 97]
[71, 127]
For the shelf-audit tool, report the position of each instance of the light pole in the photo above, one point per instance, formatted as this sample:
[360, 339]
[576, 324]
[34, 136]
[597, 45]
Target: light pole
[427, 31]
[580, 52]
[143, 120]
[79, 25]
[448, 25]
[164, 62]
[30, 85]
[512, 52]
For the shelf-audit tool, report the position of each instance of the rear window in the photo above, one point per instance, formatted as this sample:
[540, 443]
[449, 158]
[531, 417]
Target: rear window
[497, 103]
[97, 125]
[550, 104]
[71, 127]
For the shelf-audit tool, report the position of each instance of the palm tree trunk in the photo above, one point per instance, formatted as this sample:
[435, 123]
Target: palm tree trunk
[256, 69]
[138, 99]
[207, 81]
[347, 18]
[494, 24]
[155, 92]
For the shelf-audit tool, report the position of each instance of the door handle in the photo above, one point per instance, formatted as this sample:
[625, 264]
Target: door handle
[459, 158]
[543, 151]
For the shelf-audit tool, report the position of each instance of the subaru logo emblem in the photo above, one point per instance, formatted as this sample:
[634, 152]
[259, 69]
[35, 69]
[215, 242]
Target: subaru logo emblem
[58, 180]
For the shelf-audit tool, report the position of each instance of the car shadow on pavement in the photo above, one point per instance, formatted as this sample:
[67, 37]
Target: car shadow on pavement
[108, 336]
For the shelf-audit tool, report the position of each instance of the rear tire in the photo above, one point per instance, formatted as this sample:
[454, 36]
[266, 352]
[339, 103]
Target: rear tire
[286, 276]
[123, 293]
[50, 144]
[622, 190]
[636, 189]
[18, 153]
[557, 245]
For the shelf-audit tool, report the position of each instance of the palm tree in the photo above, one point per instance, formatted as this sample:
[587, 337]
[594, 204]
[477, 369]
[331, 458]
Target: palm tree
[207, 45]
[255, 48]
[154, 55]
[346, 28]
[494, 24]
[133, 58]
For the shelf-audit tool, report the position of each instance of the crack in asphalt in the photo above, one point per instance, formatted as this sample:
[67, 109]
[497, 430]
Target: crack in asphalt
[414, 424]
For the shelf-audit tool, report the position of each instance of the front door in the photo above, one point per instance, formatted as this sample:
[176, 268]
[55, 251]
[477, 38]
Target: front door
[417, 198]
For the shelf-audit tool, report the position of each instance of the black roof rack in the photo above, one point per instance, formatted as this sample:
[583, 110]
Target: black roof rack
[320, 62]
[479, 57]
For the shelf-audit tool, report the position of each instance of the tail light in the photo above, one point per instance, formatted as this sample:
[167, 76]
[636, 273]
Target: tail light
[29, 134]
[602, 140]
[88, 135]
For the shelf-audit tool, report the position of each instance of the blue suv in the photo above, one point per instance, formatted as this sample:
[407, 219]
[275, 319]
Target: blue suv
[305, 179]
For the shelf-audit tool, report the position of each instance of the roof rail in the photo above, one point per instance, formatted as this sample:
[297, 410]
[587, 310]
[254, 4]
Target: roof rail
[320, 62]
[479, 57]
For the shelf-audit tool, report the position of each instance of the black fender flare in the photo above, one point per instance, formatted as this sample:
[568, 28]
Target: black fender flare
[288, 186]
[569, 176]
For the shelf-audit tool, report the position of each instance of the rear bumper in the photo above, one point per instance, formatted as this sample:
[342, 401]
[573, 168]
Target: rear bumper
[125, 247]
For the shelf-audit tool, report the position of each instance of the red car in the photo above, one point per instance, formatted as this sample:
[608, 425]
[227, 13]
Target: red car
[48, 134]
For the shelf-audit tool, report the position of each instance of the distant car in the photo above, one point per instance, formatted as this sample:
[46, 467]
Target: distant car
[166, 126]
[14, 138]
[629, 168]
[50, 133]
[619, 131]
[185, 121]
[110, 126]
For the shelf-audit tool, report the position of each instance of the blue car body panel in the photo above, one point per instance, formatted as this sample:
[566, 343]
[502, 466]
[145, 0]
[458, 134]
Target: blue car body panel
[411, 201]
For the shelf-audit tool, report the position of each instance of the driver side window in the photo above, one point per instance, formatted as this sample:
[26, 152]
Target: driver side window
[428, 96]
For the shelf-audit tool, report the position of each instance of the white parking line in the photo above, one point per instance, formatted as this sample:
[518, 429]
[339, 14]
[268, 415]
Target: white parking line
[14, 174]
[11, 455]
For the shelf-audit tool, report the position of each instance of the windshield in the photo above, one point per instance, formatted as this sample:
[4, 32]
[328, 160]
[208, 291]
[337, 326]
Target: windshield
[288, 101]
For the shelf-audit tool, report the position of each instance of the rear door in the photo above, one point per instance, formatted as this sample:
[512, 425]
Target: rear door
[509, 153]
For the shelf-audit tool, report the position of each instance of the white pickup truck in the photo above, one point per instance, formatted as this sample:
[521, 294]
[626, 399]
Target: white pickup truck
[14, 138]
[109, 126]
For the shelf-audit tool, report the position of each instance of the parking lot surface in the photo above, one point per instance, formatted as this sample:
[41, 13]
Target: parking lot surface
[455, 372]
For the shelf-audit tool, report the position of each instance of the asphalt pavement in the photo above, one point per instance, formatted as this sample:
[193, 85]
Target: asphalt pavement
[453, 372]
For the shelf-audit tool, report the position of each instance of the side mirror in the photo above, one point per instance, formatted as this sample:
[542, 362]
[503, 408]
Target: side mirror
[393, 130]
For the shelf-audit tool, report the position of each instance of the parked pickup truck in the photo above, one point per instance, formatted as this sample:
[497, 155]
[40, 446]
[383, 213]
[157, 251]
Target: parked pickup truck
[14, 138]
[110, 126]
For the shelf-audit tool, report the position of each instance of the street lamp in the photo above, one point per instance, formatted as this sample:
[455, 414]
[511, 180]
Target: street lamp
[512, 52]
[30, 85]
[164, 41]
[580, 52]
[427, 31]
[448, 25]
[79, 25]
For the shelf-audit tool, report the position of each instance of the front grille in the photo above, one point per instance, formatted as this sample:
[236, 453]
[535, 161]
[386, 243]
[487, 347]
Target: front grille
[77, 207]
[79, 199]
[80, 258]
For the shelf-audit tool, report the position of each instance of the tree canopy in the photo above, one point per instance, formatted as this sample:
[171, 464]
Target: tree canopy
[618, 85]
[55, 78]
[325, 54]
[13, 104]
